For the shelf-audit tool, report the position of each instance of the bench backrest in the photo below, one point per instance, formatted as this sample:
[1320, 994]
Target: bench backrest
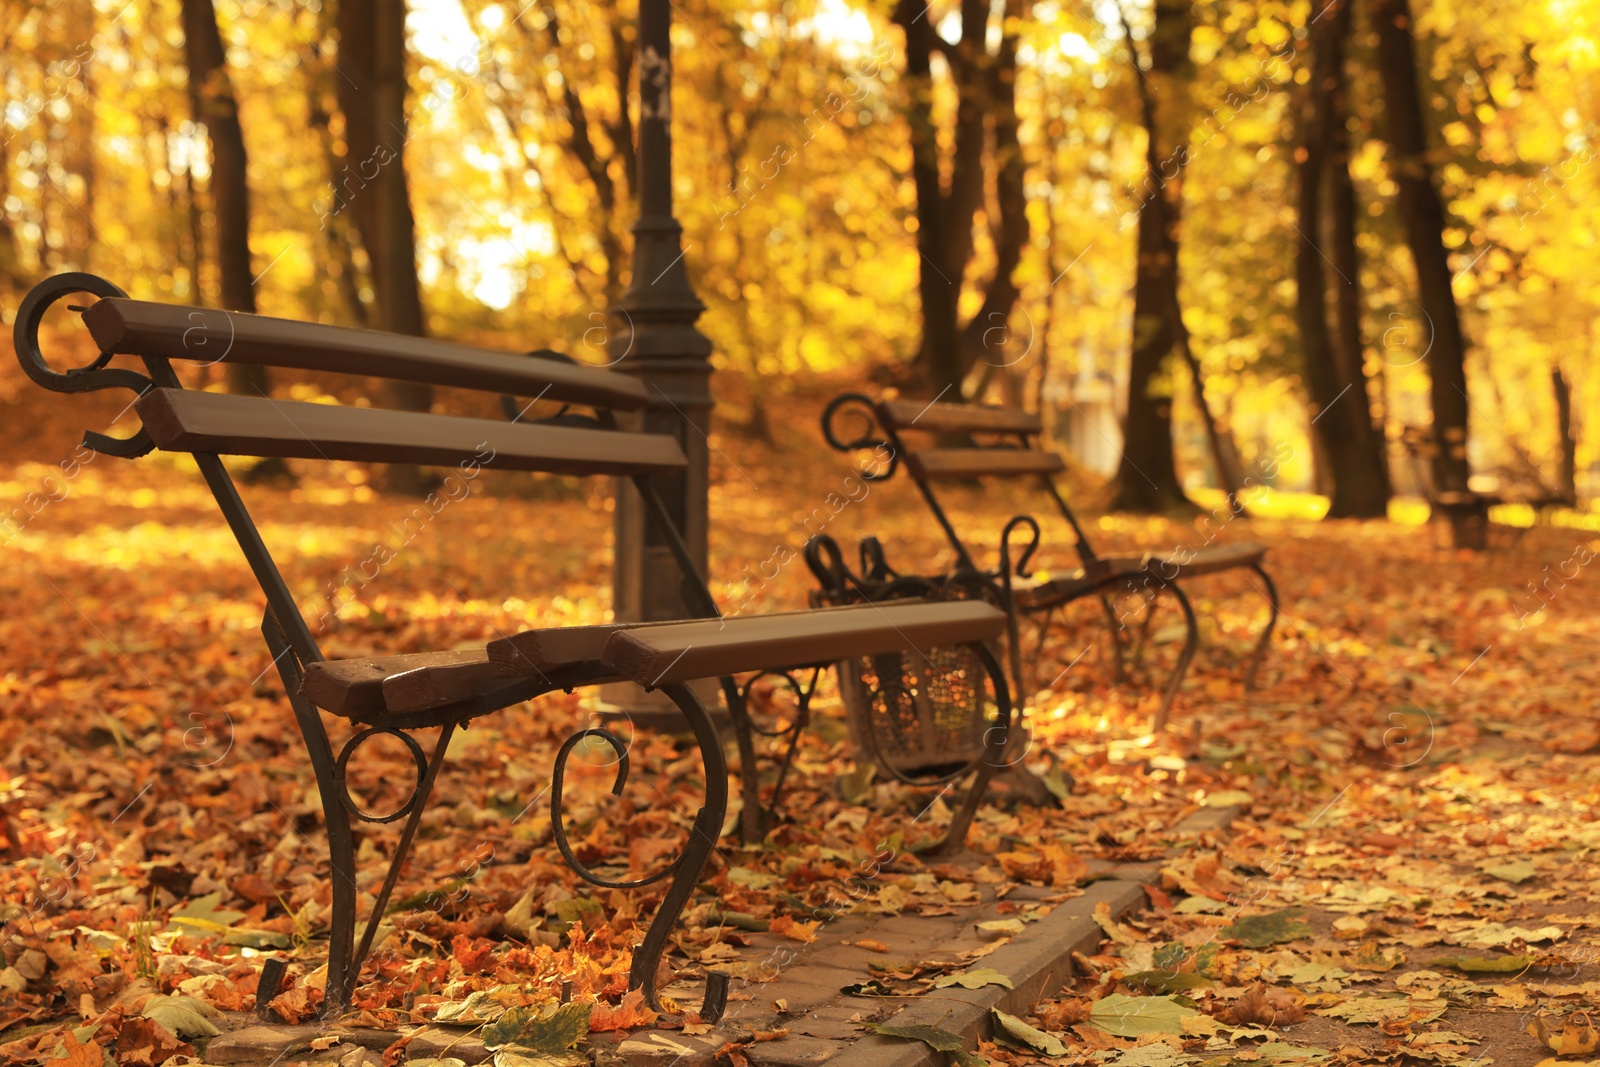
[210, 425]
[992, 442]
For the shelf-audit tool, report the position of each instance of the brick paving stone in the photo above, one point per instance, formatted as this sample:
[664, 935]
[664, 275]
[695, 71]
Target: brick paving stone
[794, 1052]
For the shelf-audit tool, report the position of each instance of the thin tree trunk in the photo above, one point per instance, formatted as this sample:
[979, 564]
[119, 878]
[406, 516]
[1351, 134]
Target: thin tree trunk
[1422, 212]
[216, 108]
[937, 290]
[1147, 476]
[1567, 477]
[10, 254]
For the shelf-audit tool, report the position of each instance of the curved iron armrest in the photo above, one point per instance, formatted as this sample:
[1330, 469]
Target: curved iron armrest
[95, 375]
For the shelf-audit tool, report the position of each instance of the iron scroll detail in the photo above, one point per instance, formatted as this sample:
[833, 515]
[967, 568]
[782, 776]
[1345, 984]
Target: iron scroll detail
[558, 830]
[860, 406]
[343, 761]
[88, 378]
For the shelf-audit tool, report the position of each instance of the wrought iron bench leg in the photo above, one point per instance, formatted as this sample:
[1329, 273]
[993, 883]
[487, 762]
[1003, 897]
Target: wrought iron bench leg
[1191, 642]
[1119, 670]
[686, 869]
[802, 718]
[751, 829]
[1271, 593]
[341, 839]
[696, 851]
[413, 812]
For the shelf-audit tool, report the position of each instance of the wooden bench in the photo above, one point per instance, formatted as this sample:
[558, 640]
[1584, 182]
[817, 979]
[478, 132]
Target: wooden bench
[1005, 443]
[1466, 512]
[395, 695]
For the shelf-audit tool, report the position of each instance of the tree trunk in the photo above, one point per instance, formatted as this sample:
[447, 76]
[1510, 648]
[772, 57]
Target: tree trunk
[11, 271]
[1423, 215]
[216, 108]
[1333, 358]
[987, 336]
[1147, 476]
[1366, 489]
[372, 58]
[937, 290]
[1567, 477]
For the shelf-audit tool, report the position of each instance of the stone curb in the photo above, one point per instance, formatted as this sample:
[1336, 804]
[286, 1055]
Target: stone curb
[1037, 965]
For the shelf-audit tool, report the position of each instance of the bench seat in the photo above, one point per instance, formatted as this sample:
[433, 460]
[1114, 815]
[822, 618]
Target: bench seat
[375, 688]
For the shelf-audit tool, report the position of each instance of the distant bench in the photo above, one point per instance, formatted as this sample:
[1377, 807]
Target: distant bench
[940, 443]
[395, 694]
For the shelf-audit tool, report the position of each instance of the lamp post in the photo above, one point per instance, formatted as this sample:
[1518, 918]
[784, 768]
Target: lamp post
[654, 337]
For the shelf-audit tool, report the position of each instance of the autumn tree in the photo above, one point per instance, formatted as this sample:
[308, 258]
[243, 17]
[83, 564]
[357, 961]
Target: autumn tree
[1422, 213]
[1341, 415]
[946, 209]
[1147, 476]
[217, 109]
[372, 96]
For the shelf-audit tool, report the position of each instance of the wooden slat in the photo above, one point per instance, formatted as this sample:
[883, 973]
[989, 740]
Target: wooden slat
[661, 655]
[186, 420]
[1105, 574]
[956, 418]
[933, 463]
[541, 651]
[434, 685]
[170, 331]
[1211, 560]
[354, 687]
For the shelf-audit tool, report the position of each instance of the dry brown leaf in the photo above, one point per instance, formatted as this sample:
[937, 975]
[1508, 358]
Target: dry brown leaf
[1264, 1005]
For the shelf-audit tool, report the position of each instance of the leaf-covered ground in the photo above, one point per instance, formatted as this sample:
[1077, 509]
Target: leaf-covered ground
[1408, 880]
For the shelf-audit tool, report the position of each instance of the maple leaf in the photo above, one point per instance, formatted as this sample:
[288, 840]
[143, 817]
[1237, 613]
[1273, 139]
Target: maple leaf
[631, 1013]
[144, 1042]
[73, 1054]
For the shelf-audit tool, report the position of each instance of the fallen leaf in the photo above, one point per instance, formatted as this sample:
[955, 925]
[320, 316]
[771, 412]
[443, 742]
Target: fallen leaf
[1486, 964]
[1259, 931]
[143, 1042]
[1020, 1032]
[1516, 872]
[633, 1012]
[184, 1016]
[550, 1031]
[1497, 935]
[1127, 1016]
[786, 926]
[1576, 1036]
[1264, 1005]
[974, 979]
